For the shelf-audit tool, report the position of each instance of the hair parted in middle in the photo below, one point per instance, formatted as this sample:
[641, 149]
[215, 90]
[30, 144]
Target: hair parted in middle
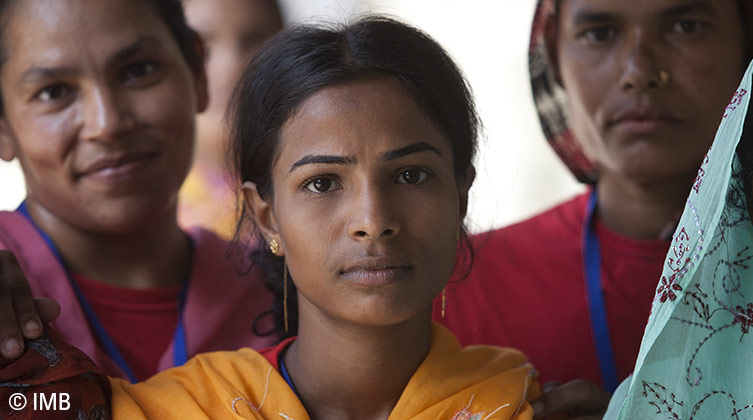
[302, 60]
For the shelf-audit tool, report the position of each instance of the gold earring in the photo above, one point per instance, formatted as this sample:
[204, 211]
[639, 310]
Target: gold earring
[457, 236]
[285, 293]
[274, 246]
[663, 78]
[444, 301]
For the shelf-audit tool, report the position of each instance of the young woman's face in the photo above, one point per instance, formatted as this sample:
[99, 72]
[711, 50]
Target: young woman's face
[99, 108]
[366, 204]
[648, 80]
[232, 30]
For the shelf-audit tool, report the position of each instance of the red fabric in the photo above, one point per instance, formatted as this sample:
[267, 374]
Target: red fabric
[527, 291]
[272, 354]
[56, 371]
[140, 322]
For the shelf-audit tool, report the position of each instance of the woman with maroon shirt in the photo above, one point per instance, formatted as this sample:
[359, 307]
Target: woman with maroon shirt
[629, 95]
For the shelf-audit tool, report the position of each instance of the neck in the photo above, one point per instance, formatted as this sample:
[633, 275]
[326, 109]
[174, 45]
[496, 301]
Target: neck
[355, 372]
[641, 210]
[152, 256]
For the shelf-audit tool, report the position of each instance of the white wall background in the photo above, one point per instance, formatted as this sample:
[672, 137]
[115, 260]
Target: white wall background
[518, 175]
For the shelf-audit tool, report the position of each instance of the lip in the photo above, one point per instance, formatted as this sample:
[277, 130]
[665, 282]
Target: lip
[117, 166]
[641, 121]
[376, 271]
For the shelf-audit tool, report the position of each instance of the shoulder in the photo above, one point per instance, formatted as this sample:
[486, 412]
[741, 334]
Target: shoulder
[563, 219]
[470, 380]
[217, 258]
[548, 233]
[15, 231]
[226, 384]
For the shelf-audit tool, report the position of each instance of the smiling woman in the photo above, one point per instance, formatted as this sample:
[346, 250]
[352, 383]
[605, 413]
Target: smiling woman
[98, 105]
[354, 147]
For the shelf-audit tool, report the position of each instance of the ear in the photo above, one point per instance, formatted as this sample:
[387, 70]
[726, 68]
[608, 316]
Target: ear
[7, 141]
[464, 186]
[200, 76]
[262, 214]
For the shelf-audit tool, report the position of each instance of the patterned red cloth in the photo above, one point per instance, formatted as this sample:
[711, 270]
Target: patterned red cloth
[49, 369]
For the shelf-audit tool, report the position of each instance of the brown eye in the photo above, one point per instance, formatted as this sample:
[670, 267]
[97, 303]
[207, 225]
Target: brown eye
[598, 35]
[686, 26]
[139, 70]
[411, 176]
[53, 93]
[322, 185]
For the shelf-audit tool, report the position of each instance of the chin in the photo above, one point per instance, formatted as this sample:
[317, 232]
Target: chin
[124, 218]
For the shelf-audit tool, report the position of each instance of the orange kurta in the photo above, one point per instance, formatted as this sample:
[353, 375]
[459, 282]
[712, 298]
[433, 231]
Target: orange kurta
[451, 381]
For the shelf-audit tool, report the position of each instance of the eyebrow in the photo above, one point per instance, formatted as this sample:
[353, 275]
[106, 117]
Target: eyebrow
[124, 54]
[697, 6]
[145, 43]
[391, 155]
[410, 149]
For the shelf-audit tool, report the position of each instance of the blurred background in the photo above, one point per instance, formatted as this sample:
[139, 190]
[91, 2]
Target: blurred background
[518, 174]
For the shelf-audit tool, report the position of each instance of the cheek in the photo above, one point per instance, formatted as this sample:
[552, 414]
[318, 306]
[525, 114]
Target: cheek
[43, 146]
[172, 111]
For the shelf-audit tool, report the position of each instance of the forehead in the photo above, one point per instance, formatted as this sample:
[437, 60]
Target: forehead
[644, 8]
[367, 116]
[53, 29]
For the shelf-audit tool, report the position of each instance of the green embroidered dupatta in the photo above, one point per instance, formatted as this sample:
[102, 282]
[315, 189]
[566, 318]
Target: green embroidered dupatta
[696, 358]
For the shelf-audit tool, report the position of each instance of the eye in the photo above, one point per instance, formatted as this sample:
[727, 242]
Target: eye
[412, 176]
[598, 35]
[321, 185]
[53, 93]
[686, 26]
[139, 70]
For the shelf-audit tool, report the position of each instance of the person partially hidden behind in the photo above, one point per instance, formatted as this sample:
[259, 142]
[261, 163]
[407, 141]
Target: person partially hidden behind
[629, 94]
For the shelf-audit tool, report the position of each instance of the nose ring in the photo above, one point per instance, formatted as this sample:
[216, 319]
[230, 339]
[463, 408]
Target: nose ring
[663, 78]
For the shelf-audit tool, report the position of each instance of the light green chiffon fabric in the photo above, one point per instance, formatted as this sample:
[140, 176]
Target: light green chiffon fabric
[696, 358]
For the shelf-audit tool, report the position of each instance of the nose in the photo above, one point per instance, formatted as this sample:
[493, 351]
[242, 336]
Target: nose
[640, 69]
[105, 115]
[372, 216]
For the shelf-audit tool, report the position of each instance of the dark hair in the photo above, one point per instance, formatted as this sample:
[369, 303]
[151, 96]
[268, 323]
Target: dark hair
[304, 59]
[170, 11]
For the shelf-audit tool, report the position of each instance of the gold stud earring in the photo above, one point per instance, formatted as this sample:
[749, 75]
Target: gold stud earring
[274, 246]
[663, 78]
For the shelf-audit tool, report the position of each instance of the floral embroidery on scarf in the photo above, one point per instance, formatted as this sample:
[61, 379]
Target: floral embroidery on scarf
[701, 174]
[667, 288]
[737, 100]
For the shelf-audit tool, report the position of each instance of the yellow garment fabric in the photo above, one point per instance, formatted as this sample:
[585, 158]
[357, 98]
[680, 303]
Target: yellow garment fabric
[475, 383]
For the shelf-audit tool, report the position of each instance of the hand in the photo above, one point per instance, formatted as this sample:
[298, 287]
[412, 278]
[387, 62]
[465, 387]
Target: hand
[21, 315]
[578, 400]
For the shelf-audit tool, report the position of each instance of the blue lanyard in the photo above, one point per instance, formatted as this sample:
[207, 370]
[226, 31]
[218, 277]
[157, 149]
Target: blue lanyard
[180, 353]
[596, 308]
[285, 374]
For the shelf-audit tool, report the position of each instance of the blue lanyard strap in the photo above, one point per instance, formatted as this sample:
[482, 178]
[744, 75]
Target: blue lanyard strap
[284, 372]
[596, 308]
[180, 353]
